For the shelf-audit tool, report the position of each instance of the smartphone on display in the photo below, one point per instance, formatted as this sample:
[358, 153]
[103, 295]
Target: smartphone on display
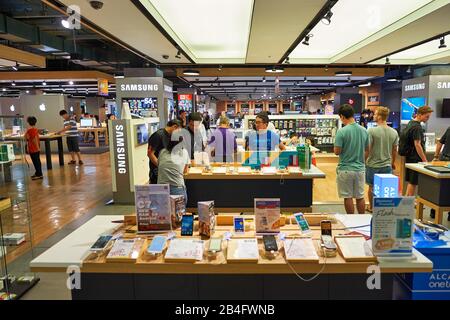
[302, 223]
[101, 243]
[239, 225]
[215, 245]
[327, 238]
[187, 225]
[157, 245]
[270, 243]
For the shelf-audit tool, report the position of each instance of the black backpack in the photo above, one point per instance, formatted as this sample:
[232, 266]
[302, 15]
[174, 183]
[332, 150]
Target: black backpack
[406, 145]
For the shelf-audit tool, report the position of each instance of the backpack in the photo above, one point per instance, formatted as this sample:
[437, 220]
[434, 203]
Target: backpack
[405, 144]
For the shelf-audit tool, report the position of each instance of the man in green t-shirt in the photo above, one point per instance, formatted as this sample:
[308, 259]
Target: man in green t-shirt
[350, 145]
[383, 142]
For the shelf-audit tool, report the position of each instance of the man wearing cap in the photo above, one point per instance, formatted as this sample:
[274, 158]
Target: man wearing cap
[416, 138]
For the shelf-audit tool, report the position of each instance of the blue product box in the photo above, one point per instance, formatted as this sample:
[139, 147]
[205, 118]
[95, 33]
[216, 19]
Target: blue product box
[385, 186]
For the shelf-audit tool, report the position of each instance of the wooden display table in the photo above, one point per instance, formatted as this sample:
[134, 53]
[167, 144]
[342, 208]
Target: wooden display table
[236, 192]
[213, 277]
[48, 149]
[96, 132]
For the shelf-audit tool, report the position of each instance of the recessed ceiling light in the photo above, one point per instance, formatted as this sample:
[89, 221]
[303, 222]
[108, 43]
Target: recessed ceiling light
[274, 69]
[190, 72]
[264, 79]
[442, 44]
[327, 18]
[343, 73]
[4, 89]
[71, 82]
[13, 84]
[44, 83]
[306, 40]
[27, 92]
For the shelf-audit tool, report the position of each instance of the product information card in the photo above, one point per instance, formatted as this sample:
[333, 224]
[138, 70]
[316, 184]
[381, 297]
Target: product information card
[392, 226]
[267, 216]
[153, 208]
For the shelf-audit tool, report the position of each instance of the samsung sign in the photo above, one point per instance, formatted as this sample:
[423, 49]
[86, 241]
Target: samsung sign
[415, 87]
[139, 87]
[443, 85]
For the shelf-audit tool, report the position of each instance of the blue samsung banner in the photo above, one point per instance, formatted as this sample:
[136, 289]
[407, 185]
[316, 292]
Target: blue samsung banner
[385, 186]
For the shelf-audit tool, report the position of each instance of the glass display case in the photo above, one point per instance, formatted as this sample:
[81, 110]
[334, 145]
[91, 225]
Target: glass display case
[15, 214]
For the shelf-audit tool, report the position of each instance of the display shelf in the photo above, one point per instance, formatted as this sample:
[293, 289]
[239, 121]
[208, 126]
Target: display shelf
[320, 129]
[15, 214]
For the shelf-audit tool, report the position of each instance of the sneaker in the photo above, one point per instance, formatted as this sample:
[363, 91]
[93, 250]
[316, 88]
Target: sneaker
[36, 177]
[72, 162]
[80, 162]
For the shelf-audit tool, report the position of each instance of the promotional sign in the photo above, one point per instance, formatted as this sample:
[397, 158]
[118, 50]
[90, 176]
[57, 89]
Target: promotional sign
[153, 208]
[103, 87]
[185, 102]
[410, 107]
[392, 226]
[267, 216]
[385, 186]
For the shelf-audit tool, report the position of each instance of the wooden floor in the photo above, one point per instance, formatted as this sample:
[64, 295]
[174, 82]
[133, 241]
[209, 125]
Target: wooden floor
[65, 194]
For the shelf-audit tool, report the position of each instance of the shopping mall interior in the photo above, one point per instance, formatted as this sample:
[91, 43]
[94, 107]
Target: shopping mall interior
[121, 70]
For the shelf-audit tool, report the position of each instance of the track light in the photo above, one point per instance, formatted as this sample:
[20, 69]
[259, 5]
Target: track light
[16, 67]
[71, 82]
[409, 70]
[274, 69]
[442, 43]
[65, 23]
[220, 68]
[44, 83]
[13, 84]
[305, 80]
[287, 61]
[264, 79]
[388, 61]
[306, 40]
[178, 55]
[327, 18]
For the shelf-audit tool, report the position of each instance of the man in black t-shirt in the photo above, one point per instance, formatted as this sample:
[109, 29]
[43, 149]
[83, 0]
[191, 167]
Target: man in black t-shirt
[416, 138]
[444, 141]
[158, 141]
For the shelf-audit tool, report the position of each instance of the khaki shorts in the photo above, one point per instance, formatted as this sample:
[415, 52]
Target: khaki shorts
[350, 184]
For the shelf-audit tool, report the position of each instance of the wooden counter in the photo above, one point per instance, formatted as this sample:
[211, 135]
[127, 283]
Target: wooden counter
[96, 132]
[421, 169]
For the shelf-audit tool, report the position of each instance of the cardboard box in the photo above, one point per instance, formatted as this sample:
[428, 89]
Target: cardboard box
[206, 218]
[178, 208]
[385, 186]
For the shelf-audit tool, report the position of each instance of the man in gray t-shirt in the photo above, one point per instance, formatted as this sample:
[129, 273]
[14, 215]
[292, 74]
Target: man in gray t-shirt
[380, 158]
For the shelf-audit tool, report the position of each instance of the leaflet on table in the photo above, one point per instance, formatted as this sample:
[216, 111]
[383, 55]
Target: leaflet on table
[243, 249]
[126, 249]
[153, 208]
[206, 218]
[185, 249]
[267, 216]
[392, 226]
[300, 249]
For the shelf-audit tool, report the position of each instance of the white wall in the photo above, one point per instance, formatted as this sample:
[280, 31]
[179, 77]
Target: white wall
[312, 103]
[6, 103]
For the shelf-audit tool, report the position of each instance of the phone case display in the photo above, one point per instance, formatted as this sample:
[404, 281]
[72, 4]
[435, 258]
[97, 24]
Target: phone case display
[267, 216]
[15, 212]
[321, 131]
[206, 218]
[243, 250]
[153, 208]
[144, 107]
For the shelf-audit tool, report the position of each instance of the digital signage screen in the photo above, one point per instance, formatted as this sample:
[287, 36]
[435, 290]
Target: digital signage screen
[410, 107]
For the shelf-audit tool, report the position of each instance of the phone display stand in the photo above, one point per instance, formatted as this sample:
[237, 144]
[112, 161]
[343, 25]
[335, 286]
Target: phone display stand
[328, 253]
[271, 254]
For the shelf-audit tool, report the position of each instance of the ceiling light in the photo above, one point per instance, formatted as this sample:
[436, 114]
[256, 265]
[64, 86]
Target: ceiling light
[305, 80]
[287, 61]
[44, 83]
[27, 92]
[368, 84]
[326, 68]
[4, 89]
[65, 23]
[387, 61]
[13, 84]
[392, 79]
[119, 77]
[306, 40]
[16, 67]
[178, 55]
[264, 79]
[327, 18]
[190, 86]
[12, 108]
[343, 73]
[349, 79]
[442, 43]
[274, 69]
[220, 68]
[190, 72]
[409, 70]
[71, 82]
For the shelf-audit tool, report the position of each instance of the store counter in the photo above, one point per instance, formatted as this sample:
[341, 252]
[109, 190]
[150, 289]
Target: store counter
[214, 277]
[96, 131]
[235, 192]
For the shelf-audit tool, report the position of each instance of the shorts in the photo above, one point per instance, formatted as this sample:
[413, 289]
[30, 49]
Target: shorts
[72, 144]
[412, 177]
[350, 184]
[371, 172]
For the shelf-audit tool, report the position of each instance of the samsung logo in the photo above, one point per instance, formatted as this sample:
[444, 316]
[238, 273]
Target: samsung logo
[167, 88]
[120, 150]
[414, 87]
[443, 85]
[139, 87]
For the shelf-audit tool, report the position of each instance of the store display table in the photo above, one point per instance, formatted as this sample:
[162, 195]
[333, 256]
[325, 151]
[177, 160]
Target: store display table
[214, 278]
[236, 192]
[96, 132]
[48, 149]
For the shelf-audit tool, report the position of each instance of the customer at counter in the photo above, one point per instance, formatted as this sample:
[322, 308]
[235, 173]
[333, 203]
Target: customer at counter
[173, 163]
[223, 146]
[193, 138]
[443, 152]
[262, 139]
[350, 145]
[158, 141]
[71, 131]
[380, 157]
[413, 141]
[33, 145]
